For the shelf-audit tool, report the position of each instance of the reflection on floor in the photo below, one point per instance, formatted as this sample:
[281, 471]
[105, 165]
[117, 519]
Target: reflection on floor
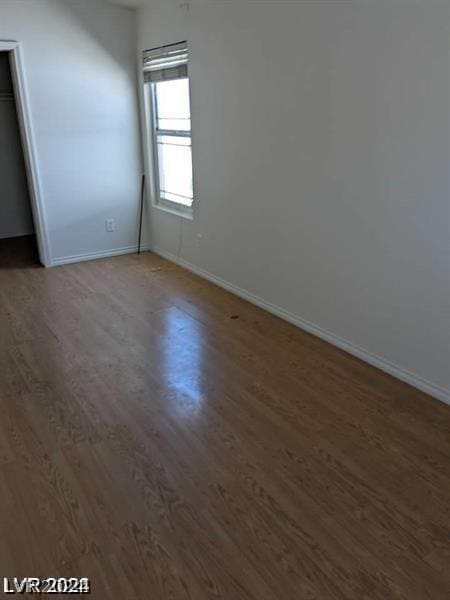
[168, 440]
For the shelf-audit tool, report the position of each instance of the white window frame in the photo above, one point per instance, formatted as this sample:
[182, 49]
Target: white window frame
[154, 131]
[171, 60]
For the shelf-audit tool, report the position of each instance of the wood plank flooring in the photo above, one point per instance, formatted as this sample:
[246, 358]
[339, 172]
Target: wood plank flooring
[171, 441]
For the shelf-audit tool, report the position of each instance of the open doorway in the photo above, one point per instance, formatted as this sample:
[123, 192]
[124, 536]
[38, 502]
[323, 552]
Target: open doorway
[17, 230]
[23, 235]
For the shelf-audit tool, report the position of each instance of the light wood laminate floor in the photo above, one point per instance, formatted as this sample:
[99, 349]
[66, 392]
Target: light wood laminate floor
[171, 441]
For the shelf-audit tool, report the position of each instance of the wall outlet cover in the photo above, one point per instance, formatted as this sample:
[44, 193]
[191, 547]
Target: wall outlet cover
[110, 225]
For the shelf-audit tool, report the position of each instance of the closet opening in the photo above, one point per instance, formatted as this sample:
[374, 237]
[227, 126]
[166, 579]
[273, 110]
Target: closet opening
[22, 231]
[17, 231]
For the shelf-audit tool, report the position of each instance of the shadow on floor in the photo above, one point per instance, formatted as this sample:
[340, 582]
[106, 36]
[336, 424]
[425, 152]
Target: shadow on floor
[19, 252]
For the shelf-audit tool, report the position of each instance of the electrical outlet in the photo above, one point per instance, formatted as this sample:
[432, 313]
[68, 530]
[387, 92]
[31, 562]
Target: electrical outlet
[110, 225]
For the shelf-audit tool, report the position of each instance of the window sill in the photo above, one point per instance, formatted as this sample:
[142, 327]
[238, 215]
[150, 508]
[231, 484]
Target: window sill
[185, 212]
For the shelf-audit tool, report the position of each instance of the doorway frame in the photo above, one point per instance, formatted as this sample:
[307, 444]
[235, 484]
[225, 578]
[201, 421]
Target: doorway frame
[21, 97]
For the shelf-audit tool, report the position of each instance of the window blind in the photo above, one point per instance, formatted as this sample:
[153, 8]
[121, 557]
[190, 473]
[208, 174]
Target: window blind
[166, 63]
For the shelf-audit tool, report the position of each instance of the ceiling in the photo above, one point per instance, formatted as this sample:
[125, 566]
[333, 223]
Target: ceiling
[130, 3]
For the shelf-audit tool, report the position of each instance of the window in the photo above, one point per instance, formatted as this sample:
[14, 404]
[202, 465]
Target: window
[169, 125]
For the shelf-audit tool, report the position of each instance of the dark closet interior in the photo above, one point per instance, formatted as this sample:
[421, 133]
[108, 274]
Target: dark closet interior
[17, 232]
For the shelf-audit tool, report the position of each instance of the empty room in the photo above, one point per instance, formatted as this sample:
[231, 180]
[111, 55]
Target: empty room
[225, 299]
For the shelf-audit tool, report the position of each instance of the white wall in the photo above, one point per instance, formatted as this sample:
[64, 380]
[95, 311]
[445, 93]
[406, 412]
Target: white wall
[15, 208]
[80, 67]
[322, 166]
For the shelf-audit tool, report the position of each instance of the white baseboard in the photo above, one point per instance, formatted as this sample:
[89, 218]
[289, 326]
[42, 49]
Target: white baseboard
[67, 260]
[377, 361]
